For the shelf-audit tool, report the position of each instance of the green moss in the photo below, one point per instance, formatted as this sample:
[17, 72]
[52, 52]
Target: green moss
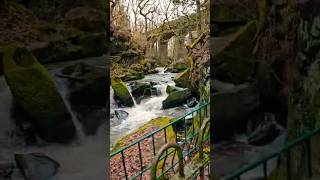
[235, 62]
[170, 89]
[157, 122]
[34, 90]
[176, 98]
[183, 79]
[121, 91]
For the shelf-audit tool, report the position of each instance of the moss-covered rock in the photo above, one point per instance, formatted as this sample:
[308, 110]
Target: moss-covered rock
[177, 67]
[121, 91]
[176, 98]
[139, 88]
[183, 79]
[171, 89]
[34, 91]
[235, 62]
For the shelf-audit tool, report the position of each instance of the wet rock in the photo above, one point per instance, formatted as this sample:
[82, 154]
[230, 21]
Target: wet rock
[183, 79]
[121, 114]
[34, 91]
[177, 66]
[121, 91]
[91, 118]
[138, 88]
[36, 166]
[234, 62]
[232, 108]
[87, 84]
[171, 89]
[264, 133]
[176, 98]
[192, 102]
[152, 71]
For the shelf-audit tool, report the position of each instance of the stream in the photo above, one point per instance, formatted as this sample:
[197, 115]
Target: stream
[81, 159]
[147, 109]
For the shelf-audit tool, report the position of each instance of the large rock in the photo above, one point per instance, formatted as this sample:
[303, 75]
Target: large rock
[87, 90]
[264, 133]
[183, 79]
[36, 166]
[86, 19]
[232, 108]
[171, 89]
[176, 98]
[139, 88]
[177, 66]
[235, 62]
[34, 91]
[87, 84]
[121, 91]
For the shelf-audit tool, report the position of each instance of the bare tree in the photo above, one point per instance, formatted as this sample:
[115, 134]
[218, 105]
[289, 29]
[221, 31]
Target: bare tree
[146, 7]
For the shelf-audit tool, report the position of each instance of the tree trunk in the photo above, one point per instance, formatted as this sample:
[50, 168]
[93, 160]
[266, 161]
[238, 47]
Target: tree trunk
[145, 24]
[199, 16]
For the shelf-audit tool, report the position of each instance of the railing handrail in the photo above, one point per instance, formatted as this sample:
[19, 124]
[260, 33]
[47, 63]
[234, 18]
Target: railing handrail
[158, 130]
[285, 148]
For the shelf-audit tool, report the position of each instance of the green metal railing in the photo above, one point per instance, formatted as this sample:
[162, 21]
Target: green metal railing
[184, 135]
[196, 166]
[286, 149]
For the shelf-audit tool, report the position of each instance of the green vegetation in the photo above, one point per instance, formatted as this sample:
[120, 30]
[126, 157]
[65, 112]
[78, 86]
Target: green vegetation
[121, 91]
[35, 92]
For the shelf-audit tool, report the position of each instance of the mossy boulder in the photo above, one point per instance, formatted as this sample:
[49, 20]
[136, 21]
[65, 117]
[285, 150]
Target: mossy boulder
[183, 79]
[121, 91]
[176, 98]
[139, 88]
[171, 89]
[34, 91]
[177, 67]
[235, 62]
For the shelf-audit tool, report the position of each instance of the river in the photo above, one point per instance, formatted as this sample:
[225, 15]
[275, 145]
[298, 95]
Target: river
[147, 109]
[80, 160]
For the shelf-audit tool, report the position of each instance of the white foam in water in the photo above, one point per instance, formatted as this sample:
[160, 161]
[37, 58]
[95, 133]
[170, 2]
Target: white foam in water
[81, 160]
[145, 111]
